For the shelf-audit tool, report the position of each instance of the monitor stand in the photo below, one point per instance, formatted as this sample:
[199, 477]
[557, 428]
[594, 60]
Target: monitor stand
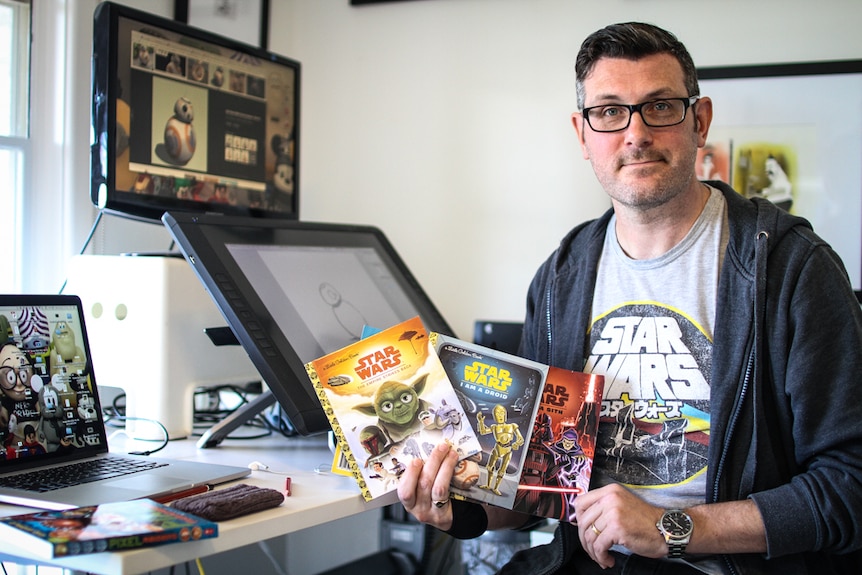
[219, 432]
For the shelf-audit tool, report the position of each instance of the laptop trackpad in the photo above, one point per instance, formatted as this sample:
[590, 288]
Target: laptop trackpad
[148, 483]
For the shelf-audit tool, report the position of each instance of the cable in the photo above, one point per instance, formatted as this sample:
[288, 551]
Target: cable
[210, 417]
[116, 413]
[89, 238]
[258, 466]
[268, 552]
[92, 231]
[86, 242]
[216, 413]
[164, 441]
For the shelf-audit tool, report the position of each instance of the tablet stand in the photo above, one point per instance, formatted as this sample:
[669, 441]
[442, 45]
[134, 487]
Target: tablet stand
[218, 432]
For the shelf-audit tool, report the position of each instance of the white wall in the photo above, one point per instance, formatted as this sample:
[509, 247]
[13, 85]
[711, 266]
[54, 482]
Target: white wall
[446, 122]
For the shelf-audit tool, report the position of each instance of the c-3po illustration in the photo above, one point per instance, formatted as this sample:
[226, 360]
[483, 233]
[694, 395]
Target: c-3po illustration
[508, 438]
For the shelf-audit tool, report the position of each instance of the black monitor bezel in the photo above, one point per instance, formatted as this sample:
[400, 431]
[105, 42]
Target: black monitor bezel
[203, 240]
[105, 92]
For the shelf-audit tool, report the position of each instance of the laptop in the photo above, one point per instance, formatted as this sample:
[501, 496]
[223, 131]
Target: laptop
[51, 421]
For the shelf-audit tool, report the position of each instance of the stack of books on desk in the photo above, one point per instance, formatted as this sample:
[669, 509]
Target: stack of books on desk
[525, 432]
[107, 527]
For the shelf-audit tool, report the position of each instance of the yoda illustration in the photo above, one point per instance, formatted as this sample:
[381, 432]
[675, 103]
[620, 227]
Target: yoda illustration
[397, 407]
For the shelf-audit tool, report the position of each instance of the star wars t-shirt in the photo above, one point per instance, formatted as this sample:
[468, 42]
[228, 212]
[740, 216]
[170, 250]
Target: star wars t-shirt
[651, 337]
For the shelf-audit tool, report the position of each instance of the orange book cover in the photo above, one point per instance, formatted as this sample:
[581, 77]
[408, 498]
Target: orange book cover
[389, 401]
[560, 455]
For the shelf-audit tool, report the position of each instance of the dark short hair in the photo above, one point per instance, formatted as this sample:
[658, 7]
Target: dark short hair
[632, 40]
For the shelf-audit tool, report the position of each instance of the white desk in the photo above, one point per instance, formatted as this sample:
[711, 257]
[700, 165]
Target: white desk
[316, 498]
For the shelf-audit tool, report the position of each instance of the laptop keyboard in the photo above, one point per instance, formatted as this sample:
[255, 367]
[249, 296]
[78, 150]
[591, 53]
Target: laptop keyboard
[53, 478]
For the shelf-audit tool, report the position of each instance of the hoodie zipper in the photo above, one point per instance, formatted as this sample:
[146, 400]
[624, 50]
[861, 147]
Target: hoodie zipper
[548, 322]
[760, 254]
[728, 561]
[731, 428]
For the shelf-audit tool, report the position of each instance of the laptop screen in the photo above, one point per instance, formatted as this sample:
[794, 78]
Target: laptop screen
[49, 405]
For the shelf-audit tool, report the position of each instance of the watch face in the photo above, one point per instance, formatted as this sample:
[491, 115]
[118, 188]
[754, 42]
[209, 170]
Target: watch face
[677, 523]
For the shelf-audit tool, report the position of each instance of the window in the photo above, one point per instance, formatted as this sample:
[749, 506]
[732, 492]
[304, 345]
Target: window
[14, 128]
[45, 98]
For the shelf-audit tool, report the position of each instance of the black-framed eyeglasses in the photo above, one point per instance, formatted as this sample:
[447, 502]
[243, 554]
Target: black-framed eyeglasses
[655, 113]
[9, 376]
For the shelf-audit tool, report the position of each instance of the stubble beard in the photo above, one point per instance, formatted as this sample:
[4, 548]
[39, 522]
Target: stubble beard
[645, 194]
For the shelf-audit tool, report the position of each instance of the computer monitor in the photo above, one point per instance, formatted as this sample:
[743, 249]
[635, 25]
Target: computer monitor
[187, 120]
[294, 291]
[502, 335]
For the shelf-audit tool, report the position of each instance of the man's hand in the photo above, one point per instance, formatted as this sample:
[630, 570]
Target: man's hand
[613, 515]
[424, 487]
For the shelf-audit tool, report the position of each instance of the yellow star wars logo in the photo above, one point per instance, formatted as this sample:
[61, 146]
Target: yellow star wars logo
[487, 375]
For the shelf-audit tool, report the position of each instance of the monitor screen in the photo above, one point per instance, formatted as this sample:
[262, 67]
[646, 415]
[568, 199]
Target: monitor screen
[186, 120]
[295, 291]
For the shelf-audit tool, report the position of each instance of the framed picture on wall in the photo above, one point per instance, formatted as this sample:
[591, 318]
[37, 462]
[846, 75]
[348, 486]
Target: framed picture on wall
[243, 20]
[792, 133]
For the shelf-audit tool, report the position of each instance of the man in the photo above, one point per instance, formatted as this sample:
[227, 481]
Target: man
[731, 344]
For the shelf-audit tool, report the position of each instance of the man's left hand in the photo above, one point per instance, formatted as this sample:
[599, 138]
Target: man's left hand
[613, 515]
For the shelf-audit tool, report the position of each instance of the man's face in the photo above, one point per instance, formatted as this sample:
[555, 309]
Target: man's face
[640, 166]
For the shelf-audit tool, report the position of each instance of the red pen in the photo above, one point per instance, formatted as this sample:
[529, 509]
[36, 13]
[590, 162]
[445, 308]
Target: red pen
[168, 497]
[287, 486]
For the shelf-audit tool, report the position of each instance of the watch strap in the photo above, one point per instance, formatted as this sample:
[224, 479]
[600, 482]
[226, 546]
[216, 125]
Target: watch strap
[675, 550]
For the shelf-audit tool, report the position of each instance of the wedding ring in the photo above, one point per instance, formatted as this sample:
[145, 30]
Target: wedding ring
[440, 504]
[595, 529]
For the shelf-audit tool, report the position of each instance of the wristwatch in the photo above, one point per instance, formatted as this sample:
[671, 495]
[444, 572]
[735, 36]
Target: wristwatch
[675, 526]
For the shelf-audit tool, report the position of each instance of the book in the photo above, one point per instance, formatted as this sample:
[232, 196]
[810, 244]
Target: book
[562, 446]
[108, 527]
[537, 425]
[389, 401]
[500, 393]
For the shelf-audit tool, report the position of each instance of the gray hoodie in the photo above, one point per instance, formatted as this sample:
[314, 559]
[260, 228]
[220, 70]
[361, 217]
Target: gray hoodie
[786, 395]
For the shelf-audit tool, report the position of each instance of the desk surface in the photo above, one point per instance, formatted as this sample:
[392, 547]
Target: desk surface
[316, 498]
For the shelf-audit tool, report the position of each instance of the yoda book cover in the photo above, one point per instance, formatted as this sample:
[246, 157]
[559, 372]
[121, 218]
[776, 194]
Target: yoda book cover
[389, 401]
[500, 393]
